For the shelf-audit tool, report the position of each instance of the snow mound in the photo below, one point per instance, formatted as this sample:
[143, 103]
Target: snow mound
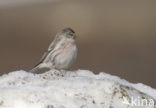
[78, 89]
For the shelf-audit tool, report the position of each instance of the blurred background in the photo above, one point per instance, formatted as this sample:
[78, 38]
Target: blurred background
[114, 36]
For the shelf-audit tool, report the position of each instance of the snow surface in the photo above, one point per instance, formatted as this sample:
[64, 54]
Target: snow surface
[66, 89]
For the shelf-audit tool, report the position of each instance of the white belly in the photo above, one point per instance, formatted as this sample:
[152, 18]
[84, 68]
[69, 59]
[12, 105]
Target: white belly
[66, 57]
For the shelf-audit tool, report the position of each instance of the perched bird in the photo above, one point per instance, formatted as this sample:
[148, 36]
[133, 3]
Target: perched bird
[61, 53]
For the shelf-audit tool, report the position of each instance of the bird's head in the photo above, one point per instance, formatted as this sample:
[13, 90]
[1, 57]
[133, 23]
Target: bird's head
[67, 33]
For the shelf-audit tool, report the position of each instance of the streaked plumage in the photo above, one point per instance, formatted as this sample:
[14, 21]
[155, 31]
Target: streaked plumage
[61, 53]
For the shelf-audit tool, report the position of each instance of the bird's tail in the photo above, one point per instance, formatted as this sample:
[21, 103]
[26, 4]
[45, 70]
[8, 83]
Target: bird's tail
[39, 69]
[35, 69]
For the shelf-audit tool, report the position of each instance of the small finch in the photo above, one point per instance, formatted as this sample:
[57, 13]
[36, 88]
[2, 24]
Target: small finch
[62, 52]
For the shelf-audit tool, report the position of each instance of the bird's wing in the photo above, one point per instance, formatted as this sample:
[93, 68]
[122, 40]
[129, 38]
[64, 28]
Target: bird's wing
[50, 48]
[53, 44]
[43, 58]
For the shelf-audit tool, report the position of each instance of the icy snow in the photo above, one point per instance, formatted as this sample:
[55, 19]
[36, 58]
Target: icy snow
[67, 89]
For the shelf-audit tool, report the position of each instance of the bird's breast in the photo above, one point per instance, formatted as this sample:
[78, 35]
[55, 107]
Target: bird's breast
[67, 56]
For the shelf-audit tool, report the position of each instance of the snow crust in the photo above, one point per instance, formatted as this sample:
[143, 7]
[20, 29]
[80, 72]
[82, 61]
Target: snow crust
[67, 89]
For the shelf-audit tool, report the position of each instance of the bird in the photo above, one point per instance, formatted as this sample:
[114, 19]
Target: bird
[61, 53]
